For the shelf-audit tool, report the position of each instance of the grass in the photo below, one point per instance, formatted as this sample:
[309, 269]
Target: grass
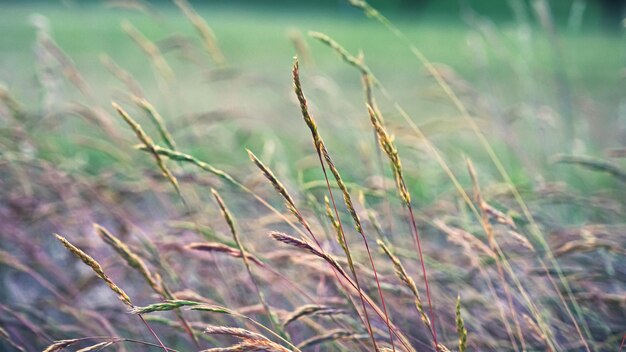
[484, 158]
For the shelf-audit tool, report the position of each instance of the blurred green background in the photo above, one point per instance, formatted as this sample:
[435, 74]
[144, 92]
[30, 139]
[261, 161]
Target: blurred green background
[540, 87]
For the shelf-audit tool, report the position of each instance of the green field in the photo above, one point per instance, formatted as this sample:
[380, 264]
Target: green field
[538, 110]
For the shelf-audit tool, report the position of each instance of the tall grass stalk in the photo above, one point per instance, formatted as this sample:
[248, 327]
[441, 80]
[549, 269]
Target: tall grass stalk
[322, 151]
[390, 150]
[291, 206]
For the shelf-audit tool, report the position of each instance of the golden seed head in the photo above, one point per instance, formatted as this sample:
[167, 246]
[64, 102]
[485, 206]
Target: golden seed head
[95, 266]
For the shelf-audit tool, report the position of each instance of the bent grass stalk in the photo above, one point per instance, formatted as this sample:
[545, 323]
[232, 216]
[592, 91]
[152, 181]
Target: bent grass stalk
[124, 76]
[311, 310]
[97, 269]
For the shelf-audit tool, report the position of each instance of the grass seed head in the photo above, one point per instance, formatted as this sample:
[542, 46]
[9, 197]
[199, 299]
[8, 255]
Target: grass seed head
[402, 274]
[95, 266]
[309, 310]
[131, 258]
[164, 306]
[96, 347]
[235, 332]
[390, 150]
[149, 144]
[60, 345]
[206, 33]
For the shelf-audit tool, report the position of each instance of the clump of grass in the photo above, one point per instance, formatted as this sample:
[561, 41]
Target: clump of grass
[56, 191]
[493, 245]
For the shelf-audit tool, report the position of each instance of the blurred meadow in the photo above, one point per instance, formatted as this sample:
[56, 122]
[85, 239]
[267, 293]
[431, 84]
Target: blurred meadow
[454, 180]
